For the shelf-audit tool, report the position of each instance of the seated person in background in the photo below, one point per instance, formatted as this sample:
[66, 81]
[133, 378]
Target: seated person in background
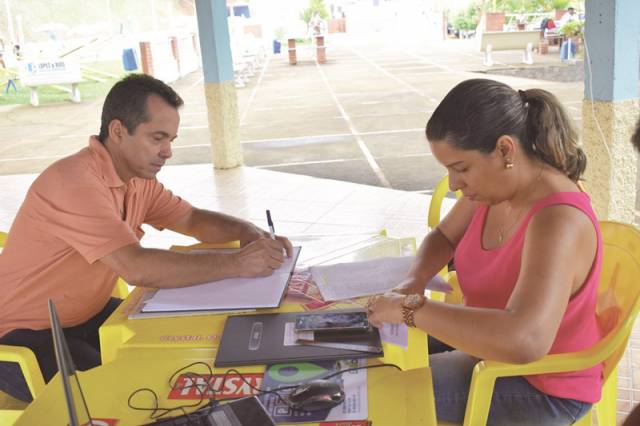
[79, 228]
[527, 251]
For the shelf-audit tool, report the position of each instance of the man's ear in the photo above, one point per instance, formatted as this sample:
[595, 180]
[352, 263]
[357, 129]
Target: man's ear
[506, 148]
[117, 131]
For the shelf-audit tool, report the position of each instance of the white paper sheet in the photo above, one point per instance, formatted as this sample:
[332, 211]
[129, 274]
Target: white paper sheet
[356, 279]
[232, 293]
[398, 334]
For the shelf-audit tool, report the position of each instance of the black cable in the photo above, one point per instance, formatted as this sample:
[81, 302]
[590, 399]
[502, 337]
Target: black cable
[212, 402]
[259, 390]
[158, 412]
[366, 367]
[277, 390]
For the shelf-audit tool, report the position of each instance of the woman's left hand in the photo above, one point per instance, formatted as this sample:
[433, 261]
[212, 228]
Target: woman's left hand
[385, 308]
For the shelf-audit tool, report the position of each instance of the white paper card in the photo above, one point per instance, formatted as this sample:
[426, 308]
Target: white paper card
[356, 279]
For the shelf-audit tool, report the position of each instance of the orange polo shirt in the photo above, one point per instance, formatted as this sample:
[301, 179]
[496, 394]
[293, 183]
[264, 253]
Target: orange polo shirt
[76, 212]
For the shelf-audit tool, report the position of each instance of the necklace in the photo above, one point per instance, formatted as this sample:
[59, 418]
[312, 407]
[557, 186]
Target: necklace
[504, 231]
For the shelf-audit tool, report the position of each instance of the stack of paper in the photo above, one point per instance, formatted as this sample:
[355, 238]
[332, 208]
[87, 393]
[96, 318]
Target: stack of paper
[228, 294]
[356, 279]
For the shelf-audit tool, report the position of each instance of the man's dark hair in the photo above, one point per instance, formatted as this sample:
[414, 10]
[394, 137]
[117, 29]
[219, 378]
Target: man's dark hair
[127, 102]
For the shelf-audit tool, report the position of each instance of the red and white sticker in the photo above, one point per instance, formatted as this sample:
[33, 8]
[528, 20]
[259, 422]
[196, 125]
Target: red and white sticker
[189, 386]
[102, 422]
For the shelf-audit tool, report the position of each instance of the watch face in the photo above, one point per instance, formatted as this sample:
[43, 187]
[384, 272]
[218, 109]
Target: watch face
[413, 301]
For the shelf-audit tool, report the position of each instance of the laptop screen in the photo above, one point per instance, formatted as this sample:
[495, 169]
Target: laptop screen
[71, 385]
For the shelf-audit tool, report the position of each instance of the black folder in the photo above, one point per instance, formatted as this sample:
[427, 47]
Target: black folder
[260, 339]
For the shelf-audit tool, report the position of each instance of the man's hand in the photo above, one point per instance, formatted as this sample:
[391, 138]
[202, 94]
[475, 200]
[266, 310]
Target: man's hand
[253, 233]
[259, 258]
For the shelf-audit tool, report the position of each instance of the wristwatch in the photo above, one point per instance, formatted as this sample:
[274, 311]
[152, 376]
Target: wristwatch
[410, 303]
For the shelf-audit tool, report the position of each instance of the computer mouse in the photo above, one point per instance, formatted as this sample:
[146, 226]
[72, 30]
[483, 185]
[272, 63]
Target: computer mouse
[316, 395]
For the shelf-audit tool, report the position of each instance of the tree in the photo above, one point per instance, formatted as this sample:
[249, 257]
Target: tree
[528, 6]
[467, 20]
[314, 6]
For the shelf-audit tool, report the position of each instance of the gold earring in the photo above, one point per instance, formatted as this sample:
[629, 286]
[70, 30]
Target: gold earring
[508, 164]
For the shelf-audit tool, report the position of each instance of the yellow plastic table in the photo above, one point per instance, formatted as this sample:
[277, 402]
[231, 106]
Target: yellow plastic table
[395, 398]
[140, 353]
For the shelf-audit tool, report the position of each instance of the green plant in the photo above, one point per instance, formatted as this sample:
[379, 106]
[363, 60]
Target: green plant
[528, 6]
[559, 4]
[279, 33]
[314, 6]
[572, 29]
[467, 20]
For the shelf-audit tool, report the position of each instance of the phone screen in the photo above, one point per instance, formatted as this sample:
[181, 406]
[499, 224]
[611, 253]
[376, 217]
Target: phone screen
[332, 321]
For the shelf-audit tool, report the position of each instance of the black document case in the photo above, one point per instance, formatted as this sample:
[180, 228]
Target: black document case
[260, 339]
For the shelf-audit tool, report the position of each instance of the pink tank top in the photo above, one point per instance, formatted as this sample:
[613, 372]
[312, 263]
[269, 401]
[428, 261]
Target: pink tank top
[487, 279]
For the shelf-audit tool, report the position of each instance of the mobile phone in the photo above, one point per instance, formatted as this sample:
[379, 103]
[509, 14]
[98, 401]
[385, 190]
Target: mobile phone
[332, 321]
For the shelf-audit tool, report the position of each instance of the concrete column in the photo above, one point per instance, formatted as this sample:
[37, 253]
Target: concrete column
[220, 91]
[610, 108]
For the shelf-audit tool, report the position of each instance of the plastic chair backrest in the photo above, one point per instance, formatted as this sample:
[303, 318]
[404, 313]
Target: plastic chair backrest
[433, 219]
[439, 192]
[619, 290]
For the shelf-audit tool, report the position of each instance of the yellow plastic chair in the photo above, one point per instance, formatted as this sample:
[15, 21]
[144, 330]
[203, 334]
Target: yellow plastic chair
[618, 306]
[433, 219]
[11, 408]
[439, 192]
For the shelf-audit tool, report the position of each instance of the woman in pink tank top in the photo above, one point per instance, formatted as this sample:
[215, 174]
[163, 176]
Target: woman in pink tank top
[527, 251]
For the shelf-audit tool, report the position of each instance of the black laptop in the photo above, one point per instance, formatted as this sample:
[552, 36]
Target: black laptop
[242, 412]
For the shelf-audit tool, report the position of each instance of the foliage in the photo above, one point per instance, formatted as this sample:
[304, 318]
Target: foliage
[572, 29]
[529, 6]
[467, 20]
[314, 6]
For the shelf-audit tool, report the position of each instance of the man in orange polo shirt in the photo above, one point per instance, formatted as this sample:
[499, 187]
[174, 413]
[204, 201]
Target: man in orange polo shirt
[79, 228]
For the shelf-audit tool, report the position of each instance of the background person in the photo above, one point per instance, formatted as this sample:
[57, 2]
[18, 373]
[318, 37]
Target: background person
[568, 16]
[79, 229]
[527, 251]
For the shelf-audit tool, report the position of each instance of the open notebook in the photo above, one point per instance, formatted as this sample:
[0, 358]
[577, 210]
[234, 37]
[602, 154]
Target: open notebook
[228, 294]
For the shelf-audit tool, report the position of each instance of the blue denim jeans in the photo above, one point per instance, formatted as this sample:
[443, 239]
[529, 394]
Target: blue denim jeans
[515, 401]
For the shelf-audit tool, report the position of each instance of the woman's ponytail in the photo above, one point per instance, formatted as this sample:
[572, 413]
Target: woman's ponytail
[550, 133]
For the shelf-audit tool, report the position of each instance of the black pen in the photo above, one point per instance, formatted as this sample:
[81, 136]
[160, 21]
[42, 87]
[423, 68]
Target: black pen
[270, 223]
